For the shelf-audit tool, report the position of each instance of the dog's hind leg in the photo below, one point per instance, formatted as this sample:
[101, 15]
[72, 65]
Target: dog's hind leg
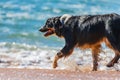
[114, 60]
[113, 45]
[117, 55]
[95, 53]
[112, 34]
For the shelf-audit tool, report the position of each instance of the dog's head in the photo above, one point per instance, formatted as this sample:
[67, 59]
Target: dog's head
[52, 26]
[55, 25]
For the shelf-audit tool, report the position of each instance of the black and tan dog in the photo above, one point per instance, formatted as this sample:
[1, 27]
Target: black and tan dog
[87, 31]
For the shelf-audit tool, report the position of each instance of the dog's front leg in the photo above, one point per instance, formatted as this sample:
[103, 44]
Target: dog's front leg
[67, 49]
[56, 58]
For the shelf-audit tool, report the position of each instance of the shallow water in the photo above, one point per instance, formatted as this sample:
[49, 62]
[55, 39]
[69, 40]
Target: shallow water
[26, 56]
[23, 46]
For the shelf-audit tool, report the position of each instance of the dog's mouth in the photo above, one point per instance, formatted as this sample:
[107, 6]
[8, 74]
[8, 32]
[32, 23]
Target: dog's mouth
[48, 32]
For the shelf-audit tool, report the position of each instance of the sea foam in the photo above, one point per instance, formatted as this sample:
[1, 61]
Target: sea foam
[29, 56]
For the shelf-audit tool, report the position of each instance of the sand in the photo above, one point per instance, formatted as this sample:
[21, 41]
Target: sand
[50, 74]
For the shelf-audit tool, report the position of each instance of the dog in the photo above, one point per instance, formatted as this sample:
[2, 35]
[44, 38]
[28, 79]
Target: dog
[85, 31]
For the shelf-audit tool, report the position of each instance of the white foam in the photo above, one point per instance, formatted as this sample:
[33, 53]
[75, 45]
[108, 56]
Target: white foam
[56, 10]
[18, 15]
[25, 33]
[95, 9]
[77, 6]
[28, 56]
[27, 7]
[45, 8]
[9, 5]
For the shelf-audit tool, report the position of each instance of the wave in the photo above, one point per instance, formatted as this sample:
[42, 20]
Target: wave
[14, 55]
[23, 55]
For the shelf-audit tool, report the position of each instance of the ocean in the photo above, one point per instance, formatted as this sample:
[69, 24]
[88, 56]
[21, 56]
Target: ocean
[22, 45]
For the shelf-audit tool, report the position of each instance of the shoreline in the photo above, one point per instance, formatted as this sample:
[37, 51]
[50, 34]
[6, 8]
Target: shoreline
[52, 74]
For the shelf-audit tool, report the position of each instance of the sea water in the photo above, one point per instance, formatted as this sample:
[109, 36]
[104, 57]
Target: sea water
[23, 46]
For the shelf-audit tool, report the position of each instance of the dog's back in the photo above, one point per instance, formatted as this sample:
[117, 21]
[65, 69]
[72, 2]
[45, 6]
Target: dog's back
[90, 29]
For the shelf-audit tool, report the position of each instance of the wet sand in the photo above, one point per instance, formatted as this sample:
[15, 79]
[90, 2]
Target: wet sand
[45, 74]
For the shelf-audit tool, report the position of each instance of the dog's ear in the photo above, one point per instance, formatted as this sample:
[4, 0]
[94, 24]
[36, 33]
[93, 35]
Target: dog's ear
[58, 26]
[58, 23]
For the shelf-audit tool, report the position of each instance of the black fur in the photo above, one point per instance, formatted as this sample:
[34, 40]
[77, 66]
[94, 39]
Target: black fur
[88, 31]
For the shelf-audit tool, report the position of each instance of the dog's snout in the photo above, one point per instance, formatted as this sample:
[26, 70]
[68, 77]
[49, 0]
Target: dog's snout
[43, 29]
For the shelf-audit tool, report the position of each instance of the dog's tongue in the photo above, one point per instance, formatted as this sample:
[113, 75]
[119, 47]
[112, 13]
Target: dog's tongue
[48, 33]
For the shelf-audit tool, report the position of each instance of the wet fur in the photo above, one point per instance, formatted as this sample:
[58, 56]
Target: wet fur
[87, 31]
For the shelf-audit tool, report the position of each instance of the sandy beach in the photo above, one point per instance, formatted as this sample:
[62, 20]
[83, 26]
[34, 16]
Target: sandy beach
[48, 74]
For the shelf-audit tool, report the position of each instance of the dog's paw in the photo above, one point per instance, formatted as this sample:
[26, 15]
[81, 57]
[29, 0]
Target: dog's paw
[110, 64]
[94, 69]
[54, 65]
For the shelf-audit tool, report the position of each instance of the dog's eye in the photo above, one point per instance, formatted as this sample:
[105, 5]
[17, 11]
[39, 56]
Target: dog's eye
[50, 25]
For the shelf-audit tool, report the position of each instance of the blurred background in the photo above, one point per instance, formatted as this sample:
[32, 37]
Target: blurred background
[20, 21]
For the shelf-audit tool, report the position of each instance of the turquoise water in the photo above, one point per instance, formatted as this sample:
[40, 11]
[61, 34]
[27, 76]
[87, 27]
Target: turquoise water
[20, 20]
[22, 45]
